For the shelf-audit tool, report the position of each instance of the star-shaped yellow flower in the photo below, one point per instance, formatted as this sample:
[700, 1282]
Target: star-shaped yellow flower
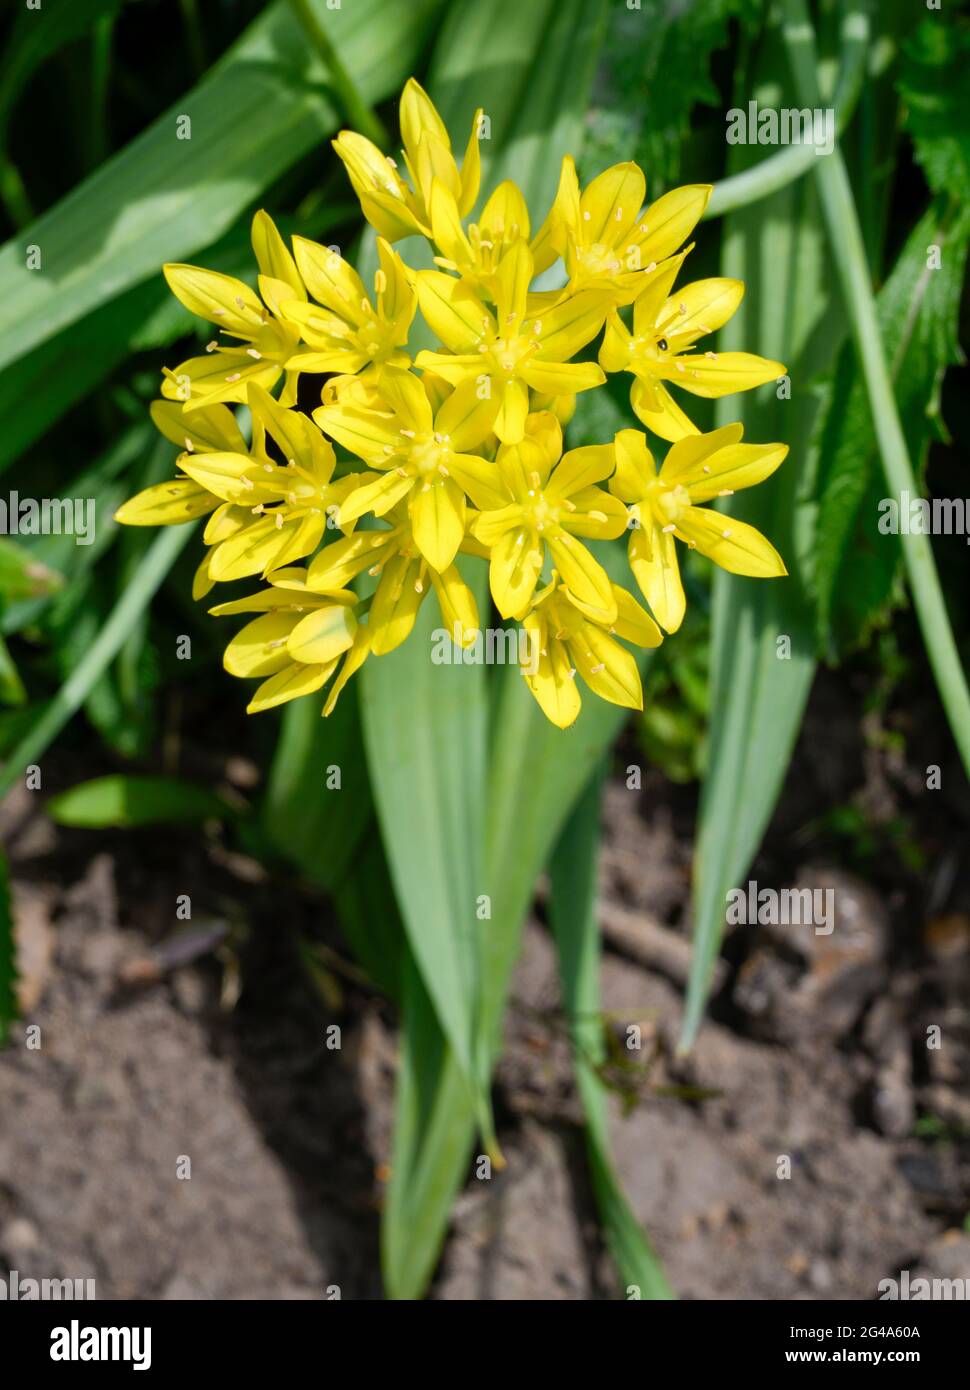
[420, 448]
[511, 350]
[606, 238]
[390, 205]
[665, 326]
[665, 506]
[265, 341]
[568, 641]
[546, 502]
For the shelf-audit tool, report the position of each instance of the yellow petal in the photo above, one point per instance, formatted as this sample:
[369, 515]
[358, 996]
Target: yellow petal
[471, 168]
[331, 280]
[653, 560]
[418, 114]
[446, 229]
[322, 635]
[614, 353]
[510, 284]
[202, 581]
[599, 515]
[458, 607]
[653, 287]
[480, 479]
[514, 570]
[465, 418]
[167, 504]
[612, 202]
[564, 215]
[200, 382]
[396, 604]
[656, 408]
[453, 313]
[342, 560]
[263, 546]
[378, 496]
[437, 511]
[491, 526]
[581, 574]
[260, 648]
[513, 409]
[732, 544]
[553, 684]
[669, 221]
[407, 398]
[352, 662]
[364, 432]
[608, 669]
[291, 683]
[505, 217]
[571, 325]
[562, 378]
[698, 309]
[635, 466]
[722, 373]
[210, 429]
[221, 475]
[581, 468]
[732, 468]
[633, 622]
[396, 299]
[222, 299]
[273, 256]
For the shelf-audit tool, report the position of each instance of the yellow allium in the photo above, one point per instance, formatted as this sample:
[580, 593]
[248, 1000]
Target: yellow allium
[607, 239]
[665, 327]
[398, 209]
[547, 500]
[665, 506]
[507, 351]
[264, 340]
[570, 641]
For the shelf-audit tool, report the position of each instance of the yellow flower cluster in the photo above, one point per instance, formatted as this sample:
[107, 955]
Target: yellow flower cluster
[460, 450]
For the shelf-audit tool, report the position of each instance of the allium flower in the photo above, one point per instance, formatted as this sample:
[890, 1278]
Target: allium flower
[390, 205]
[665, 327]
[571, 641]
[265, 341]
[508, 351]
[664, 506]
[547, 500]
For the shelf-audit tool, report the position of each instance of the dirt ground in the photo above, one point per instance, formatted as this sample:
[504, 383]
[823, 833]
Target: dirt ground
[813, 1053]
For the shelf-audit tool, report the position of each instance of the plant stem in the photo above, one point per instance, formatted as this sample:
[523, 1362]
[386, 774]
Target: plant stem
[790, 164]
[355, 108]
[845, 238]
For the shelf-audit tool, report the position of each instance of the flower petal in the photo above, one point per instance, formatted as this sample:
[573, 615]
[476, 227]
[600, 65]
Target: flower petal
[331, 280]
[653, 559]
[437, 511]
[669, 221]
[222, 299]
[465, 418]
[697, 309]
[608, 669]
[396, 603]
[513, 409]
[514, 570]
[273, 256]
[562, 378]
[260, 648]
[341, 561]
[635, 466]
[167, 504]
[656, 408]
[323, 634]
[553, 684]
[723, 373]
[451, 310]
[569, 326]
[581, 574]
[210, 429]
[291, 683]
[732, 544]
[581, 468]
[610, 204]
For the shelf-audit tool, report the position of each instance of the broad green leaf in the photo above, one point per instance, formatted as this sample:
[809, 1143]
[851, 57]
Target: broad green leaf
[40, 31]
[8, 955]
[933, 83]
[264, 106]
[857, 569]
[128, 801]
[572, 874]
[763, 648]
[546, 56]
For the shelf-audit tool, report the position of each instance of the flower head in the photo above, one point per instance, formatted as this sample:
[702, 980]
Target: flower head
[263, 342]
[571, 641]
[665, 327]
[665, 506]
[398, 209]
[547, 501]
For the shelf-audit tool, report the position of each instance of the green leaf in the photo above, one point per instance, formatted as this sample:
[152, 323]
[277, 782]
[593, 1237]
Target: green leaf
[22, 575]
[857, 569]
[933, 83]
[572, 873]
[37, 33]
[264, 106]
[126, 801]
[12, 690]
[759, 680]
[8, 955]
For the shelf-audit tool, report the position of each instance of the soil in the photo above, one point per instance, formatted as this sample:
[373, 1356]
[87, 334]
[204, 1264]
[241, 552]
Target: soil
[186, 1128]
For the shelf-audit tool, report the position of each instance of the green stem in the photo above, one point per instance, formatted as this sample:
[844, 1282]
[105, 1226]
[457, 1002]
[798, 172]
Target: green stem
[848, 249]
[75, 690]
[13, 194]
[356, 109]
[790, 164]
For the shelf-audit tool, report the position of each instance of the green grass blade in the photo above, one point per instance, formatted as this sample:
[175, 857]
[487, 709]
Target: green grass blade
[72, 694]
[263, 107]
[573, 911]
[125, 801]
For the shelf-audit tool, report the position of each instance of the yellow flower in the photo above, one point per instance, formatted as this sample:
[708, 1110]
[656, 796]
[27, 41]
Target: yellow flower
[509, 351]
[347, 334]
[664, 328]
[477, 253]
[605, 238]
[419, 448]
[404, 578]
[568, 641]
[265, 341]
[664, 507]
[270, 515]
[297, 642]
[548, 501]
[209, 429]
[390, 205]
